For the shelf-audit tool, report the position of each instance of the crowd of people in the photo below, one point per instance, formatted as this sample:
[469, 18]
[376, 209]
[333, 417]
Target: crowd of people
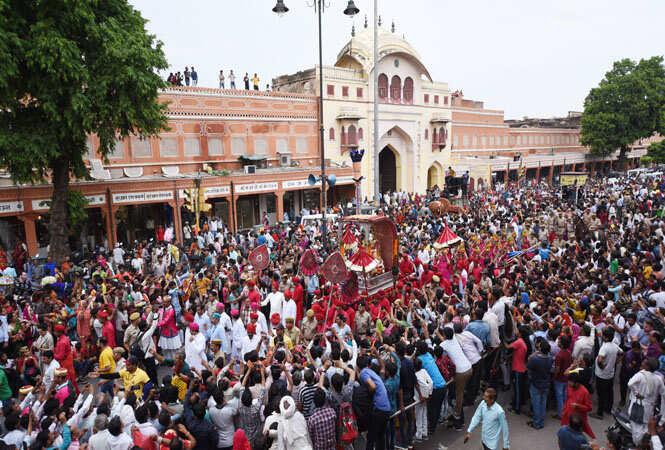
[189, 77]
[169, 346]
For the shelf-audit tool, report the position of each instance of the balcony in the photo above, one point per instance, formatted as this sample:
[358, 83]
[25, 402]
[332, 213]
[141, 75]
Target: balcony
[349, 113]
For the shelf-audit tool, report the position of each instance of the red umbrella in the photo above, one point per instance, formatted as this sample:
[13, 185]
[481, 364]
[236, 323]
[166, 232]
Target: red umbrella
[362, 261]
[349, 240]
[447, 238]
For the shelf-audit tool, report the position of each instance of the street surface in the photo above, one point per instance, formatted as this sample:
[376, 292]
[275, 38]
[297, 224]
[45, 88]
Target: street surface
[522, 437]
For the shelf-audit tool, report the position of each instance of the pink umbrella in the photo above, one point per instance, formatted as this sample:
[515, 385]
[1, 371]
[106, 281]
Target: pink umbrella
[447, 238]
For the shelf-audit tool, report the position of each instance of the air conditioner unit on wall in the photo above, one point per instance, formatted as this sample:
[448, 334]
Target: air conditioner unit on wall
[285, 160]
[250, 169]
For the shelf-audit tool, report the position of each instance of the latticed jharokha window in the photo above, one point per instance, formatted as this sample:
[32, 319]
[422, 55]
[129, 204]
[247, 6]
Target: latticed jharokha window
[408, 90]
[383, 86]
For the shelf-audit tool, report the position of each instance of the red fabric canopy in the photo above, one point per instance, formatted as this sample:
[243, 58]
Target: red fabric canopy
[447, 238]
[362, 261]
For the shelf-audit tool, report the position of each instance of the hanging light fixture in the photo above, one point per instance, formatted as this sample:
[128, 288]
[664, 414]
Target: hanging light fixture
[280, 8]
[351, 9]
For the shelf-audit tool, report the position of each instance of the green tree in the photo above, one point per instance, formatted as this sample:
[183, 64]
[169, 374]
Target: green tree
[656, 152]
[627, 105]
[69, 69]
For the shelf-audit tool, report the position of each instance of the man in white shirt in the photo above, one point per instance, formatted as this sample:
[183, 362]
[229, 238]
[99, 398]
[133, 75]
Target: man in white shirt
[646, 388]
[195, 347]
[289, 309]
[252, 341]
[50, 364]
[99, 438]
[275, 299]
[118, 254]
[605, 367]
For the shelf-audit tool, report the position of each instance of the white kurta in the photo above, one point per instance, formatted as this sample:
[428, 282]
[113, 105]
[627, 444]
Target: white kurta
[238, 332]
[195, 348]
[651, 388]
[290, 310]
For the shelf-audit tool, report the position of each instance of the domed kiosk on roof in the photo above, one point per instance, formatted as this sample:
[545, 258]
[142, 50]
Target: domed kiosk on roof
[414, 113]
[358, 53]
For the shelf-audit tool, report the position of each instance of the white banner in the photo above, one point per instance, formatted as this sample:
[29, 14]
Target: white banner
[256, 187]
[151, 196]
[290, 184]
[10, 207]
[93, 200]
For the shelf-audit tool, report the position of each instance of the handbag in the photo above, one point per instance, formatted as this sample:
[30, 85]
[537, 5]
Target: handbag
[637, 412]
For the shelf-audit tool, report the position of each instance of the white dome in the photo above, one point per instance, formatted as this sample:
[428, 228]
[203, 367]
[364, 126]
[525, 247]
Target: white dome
[361, 49]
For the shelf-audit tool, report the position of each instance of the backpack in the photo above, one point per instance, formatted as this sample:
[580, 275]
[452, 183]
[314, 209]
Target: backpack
[348, 428]
[361, 403]
[446, 367]
[136, 350]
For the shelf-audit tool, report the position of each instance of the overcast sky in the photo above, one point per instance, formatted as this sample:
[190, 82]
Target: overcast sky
[528, 58]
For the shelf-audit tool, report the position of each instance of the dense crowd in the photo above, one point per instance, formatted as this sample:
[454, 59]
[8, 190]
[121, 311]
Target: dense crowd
[175, 347]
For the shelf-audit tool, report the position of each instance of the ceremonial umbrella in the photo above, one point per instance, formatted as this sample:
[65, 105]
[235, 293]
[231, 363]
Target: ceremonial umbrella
[447, 238]
[362, 261]
[349, 240]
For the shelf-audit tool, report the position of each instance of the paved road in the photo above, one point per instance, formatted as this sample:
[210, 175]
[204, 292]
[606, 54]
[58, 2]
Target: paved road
[521, 435]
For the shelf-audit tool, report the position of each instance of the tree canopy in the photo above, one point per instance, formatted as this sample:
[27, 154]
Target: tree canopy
[627, 105]
[656, 152]
[70, 69]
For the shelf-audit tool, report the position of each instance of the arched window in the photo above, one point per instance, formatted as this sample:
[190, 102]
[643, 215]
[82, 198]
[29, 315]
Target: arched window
[426, 133]
[395, 89]
[442, 136]
[383, 86]
[352, 139]
[434, 141]
[408, 90]
[331, 134]
[360, 134]
[343, 138]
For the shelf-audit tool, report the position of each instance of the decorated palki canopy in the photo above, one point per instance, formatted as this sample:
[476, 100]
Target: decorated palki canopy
[349, 240]
[362, 261]
[447, 238]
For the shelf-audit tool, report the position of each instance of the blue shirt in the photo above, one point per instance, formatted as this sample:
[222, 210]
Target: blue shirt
[481, 330]
[312, 284]
[494, 424]
[49, 268]
[544, 253]
[571, 439]
[392, 386]
[381, 401]
[432, 370]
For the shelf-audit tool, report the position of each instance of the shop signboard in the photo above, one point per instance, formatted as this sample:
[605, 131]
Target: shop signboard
[573, 179]
[44, 204]
[150, 196]
[11, 207]
[256, 187]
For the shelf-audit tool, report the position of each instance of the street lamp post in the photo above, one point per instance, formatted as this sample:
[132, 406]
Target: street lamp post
[356, 157]
[319, 6]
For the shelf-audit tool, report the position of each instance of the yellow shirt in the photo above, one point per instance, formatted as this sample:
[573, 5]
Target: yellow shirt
[287, 341]
[255, 80]
[136, 379]
[203, 285]
[181, 385]
[106, 360]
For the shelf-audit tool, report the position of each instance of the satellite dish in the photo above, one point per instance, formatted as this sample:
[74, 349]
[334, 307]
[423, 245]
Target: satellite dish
[311, 180]
[332, 179]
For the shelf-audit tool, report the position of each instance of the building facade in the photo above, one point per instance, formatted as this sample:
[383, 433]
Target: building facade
[251, 152]
[425, 128]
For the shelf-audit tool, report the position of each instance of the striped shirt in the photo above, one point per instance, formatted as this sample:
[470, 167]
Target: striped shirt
[306, 397]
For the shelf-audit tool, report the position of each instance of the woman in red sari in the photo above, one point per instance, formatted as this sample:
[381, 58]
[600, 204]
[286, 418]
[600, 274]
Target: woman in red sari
[578, 401]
